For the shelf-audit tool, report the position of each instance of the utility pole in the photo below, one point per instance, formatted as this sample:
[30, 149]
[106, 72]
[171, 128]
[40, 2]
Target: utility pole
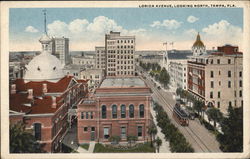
[164, 54]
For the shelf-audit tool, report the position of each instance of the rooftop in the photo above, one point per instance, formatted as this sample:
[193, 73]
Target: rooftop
[122, 82]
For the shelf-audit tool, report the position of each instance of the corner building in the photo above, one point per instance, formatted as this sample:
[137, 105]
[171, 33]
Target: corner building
[119, 54]
[120, 107]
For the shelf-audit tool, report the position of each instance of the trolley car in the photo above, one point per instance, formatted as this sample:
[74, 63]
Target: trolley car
[180, 115]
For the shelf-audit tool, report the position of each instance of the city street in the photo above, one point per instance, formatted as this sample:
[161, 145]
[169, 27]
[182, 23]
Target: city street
[197, 135]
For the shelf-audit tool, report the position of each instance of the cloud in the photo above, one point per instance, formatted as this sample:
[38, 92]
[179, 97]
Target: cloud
[168, 24]
[223, 32]
[192, 19]
[31, 29]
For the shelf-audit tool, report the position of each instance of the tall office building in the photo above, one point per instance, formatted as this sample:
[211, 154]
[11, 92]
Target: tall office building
[60, 48]
[100, 57]
[119, 52]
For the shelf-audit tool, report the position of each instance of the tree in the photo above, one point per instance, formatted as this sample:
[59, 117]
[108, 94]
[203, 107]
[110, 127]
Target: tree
[115, 139]
[198, 106]
[131, 139]
[152, 131]
[22, 140]
[158, 142]
[214, 114]
[232, 127]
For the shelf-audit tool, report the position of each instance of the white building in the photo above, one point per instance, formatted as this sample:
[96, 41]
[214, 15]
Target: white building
[60, 48]
[178, 73]
[87, 61]
[217, 78]
[100, 57]
[94, 77]
[119, 54]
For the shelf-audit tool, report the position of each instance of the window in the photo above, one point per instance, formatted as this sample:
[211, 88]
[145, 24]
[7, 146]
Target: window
[230, 103]
[218, 104]
[87, 115]
[123, 111]
[139, 131]
[219, 72]
[82, 115]
[104, 112]
[240, 93]
[123, 132]
[91, 115]
[219, 83]
[242, 103]
[240, 74]
[212, 84]
[240, 83]
[218, 94]
[141, 111]
[229, 73]
[37, 131]
[211, 94]
[131, 111]
[229, 84]
[114, 111]
[218, 61]
[235, 95]
[92, 128]
[85, 129]
[106, 133]
[212, 61]
[229, 61]
[212, 74]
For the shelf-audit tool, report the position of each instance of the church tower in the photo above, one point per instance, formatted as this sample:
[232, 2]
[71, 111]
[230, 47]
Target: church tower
[198, 47]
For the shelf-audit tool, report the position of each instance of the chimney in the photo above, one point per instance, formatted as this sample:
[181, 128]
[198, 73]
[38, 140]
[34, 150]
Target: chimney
[13, 89]
[53, 102]
[30, 93]
[45, 89]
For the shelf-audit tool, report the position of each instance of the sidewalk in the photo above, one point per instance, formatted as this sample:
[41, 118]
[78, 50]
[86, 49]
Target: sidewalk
[164, 148]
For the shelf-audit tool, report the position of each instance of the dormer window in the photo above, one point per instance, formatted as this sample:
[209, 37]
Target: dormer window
[38, 68]
[54, 68]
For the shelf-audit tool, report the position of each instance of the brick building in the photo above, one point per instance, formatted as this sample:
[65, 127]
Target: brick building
[217, 78]
[120, 107]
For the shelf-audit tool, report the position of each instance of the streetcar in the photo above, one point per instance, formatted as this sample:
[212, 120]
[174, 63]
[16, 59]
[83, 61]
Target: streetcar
[180, 115]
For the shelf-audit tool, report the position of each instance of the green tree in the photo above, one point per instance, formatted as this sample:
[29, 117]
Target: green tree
[152, 131]
[22, 140]
[115, 139]
[232, 127]
[198, 106]
[158, 142]
[131, 139]
[215, 115]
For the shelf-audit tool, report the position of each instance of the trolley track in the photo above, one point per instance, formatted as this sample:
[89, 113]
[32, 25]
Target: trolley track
[198, 140]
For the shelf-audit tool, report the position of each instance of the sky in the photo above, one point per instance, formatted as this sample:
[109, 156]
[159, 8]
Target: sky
[86, 27]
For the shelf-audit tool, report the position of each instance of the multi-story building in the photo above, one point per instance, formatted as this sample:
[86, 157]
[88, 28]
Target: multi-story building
[178, 73]
[119, 107]
[60, 48]
[94, 77]
[100, 57]
[217, 78]
[87, 61]
[119, 54]
[43, 98]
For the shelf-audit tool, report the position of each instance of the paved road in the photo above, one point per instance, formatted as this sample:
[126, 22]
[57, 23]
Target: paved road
[198, 136]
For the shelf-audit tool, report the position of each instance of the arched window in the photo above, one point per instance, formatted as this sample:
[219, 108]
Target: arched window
[37, 131]
[104, 112]
[123, 111]
[114, 111]
[141, 111]
[131, 111]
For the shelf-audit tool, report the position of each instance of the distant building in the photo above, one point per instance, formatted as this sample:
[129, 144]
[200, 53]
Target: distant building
[217, 79]
[150, 59]
[86, 61]
[120, 107]
[100, 57]
[16, 70]
[74, 70]
[178, 73]
[94, 77]
[198, 47]
[60, 48]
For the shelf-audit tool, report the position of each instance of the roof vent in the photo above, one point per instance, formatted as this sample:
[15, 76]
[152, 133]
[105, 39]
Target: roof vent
[30, 93]
[53, 102]
[13, 89]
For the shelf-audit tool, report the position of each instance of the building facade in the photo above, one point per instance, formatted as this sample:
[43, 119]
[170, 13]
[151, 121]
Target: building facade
[217, 78]
[94, 77]
[178, 73]
[119, 54]
[60, 48]
[100, 57]
[86, 61]
[120, 107]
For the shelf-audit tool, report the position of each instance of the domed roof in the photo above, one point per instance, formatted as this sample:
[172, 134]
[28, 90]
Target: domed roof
[44, 67]
[45, 39]
[198, 43]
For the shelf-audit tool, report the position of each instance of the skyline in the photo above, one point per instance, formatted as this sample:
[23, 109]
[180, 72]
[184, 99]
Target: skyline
[86, 27]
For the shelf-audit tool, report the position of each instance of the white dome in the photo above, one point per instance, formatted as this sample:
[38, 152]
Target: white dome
[44, 67]
[45, 39]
